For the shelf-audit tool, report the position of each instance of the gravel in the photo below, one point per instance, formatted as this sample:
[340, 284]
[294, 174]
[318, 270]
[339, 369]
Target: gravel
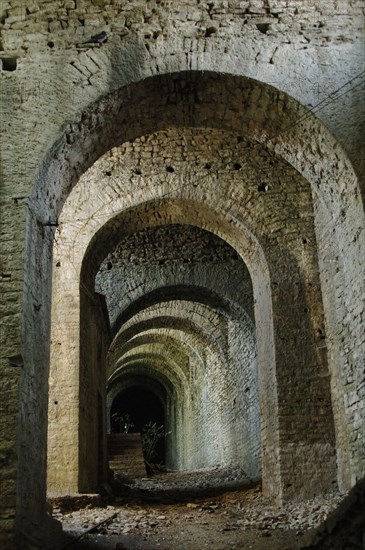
[229, 512]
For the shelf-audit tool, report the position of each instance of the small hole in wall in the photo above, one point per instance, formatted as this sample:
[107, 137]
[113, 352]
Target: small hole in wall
[263, 27]
[209, 31]
[58, 264]
[108, 173]
[56, 402]
[170, 169]
[109, 265]
[263, 188]
[207, 166]
[237, 166]
[50, 44]
[9, 63]
[138, 172]
[305, 241]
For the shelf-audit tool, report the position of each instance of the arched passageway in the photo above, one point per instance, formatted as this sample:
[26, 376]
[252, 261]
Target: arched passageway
[141, 405]
[250, 110]
[209, 376]
[235, 205]
[204, 342]
[133, 409]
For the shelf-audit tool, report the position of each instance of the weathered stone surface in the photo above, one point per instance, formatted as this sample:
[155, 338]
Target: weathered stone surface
[279, 216]
[228, 66]
[344, 526]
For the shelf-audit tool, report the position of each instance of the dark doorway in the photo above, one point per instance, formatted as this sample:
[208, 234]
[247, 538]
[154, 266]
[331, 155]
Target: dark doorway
[142, 406]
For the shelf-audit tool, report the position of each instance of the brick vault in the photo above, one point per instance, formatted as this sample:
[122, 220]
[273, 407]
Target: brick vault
[181, 213]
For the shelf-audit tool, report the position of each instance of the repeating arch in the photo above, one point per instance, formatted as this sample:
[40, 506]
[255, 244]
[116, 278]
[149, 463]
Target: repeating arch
[326, 167]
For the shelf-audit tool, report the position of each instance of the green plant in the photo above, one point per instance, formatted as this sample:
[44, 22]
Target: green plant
[151, 434]
[123, 421]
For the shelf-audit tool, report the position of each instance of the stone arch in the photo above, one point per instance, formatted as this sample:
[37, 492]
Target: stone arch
[131, 380]
[137, 384]
[246, 451]
[163, 346]
[327, 166]
[153, 320]
[166, 372]
[172, 210]
[145, 403]
[285, 130]
[168, 377]
[193, 294]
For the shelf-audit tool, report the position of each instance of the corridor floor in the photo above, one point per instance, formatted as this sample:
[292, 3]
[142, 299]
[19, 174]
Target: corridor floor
[215, 509]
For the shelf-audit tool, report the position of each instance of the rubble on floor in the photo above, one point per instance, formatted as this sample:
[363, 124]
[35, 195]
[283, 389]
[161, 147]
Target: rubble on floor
[239, 518]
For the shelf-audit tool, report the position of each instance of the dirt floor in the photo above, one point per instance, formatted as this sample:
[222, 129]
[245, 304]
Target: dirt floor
[213, 509]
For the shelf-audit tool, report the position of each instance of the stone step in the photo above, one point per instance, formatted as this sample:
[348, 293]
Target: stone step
[121, 445]
[125, 439]
[125, 454]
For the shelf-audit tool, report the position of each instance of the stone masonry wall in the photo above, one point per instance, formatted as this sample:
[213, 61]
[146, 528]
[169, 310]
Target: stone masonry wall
[183, 254]
[92, 400]
[289, 201]
[172, 256]
[307, 49]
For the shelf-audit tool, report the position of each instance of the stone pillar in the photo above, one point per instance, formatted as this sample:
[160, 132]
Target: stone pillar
[63, 414]
[306, 439]
[11, 359]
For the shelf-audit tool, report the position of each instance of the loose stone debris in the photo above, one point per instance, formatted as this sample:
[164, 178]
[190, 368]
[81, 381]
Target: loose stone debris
[239, 518]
